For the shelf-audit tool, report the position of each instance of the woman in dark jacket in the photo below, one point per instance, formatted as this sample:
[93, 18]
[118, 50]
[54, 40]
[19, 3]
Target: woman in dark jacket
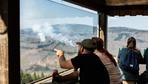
[130, 76]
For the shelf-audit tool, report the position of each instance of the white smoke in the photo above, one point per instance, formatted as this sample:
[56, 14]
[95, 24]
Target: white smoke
[46, 29]
[37, 28]
[42, 37]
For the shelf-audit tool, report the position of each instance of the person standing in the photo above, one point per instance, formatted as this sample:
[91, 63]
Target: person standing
[146, 58]
[108, 61]
[143, 79]
[129, 59]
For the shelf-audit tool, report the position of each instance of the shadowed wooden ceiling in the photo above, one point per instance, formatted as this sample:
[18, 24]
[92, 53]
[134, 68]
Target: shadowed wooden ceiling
[115, 7]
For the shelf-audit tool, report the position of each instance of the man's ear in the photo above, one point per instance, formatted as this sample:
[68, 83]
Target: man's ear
[82, 49]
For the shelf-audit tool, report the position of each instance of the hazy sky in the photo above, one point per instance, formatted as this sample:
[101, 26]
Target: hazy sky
[137, 22]
[38, 11]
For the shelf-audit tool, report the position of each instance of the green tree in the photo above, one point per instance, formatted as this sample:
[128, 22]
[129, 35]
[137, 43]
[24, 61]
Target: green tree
[34, 76]
[42, 75]
[38, 76]
[25, 78]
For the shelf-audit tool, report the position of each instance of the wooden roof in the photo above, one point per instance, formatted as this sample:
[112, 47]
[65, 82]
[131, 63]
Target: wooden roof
[115, 7]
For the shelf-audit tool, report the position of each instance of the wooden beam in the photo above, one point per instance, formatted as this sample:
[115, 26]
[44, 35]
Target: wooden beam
[90, 4]
[103, 28]
[125, 2]
[3, 54]
[115, 7]
[126, 10]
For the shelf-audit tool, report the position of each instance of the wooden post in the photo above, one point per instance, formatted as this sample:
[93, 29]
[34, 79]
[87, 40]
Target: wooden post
[103, 28]
[3, 54]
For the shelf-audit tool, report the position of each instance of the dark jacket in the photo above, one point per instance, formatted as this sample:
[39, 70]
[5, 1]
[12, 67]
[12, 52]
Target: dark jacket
[146, 58]
[127, 75]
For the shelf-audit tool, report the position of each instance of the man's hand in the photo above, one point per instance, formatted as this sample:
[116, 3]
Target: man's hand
[66, 64]
[59, 53]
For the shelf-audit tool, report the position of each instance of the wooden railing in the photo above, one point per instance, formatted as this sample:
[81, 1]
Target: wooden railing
[49, 78]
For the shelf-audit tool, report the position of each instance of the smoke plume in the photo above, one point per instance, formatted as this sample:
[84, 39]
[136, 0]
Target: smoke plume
[47, 29]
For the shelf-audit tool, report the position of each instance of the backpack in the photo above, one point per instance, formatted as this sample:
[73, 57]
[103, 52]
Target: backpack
[129, 60]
